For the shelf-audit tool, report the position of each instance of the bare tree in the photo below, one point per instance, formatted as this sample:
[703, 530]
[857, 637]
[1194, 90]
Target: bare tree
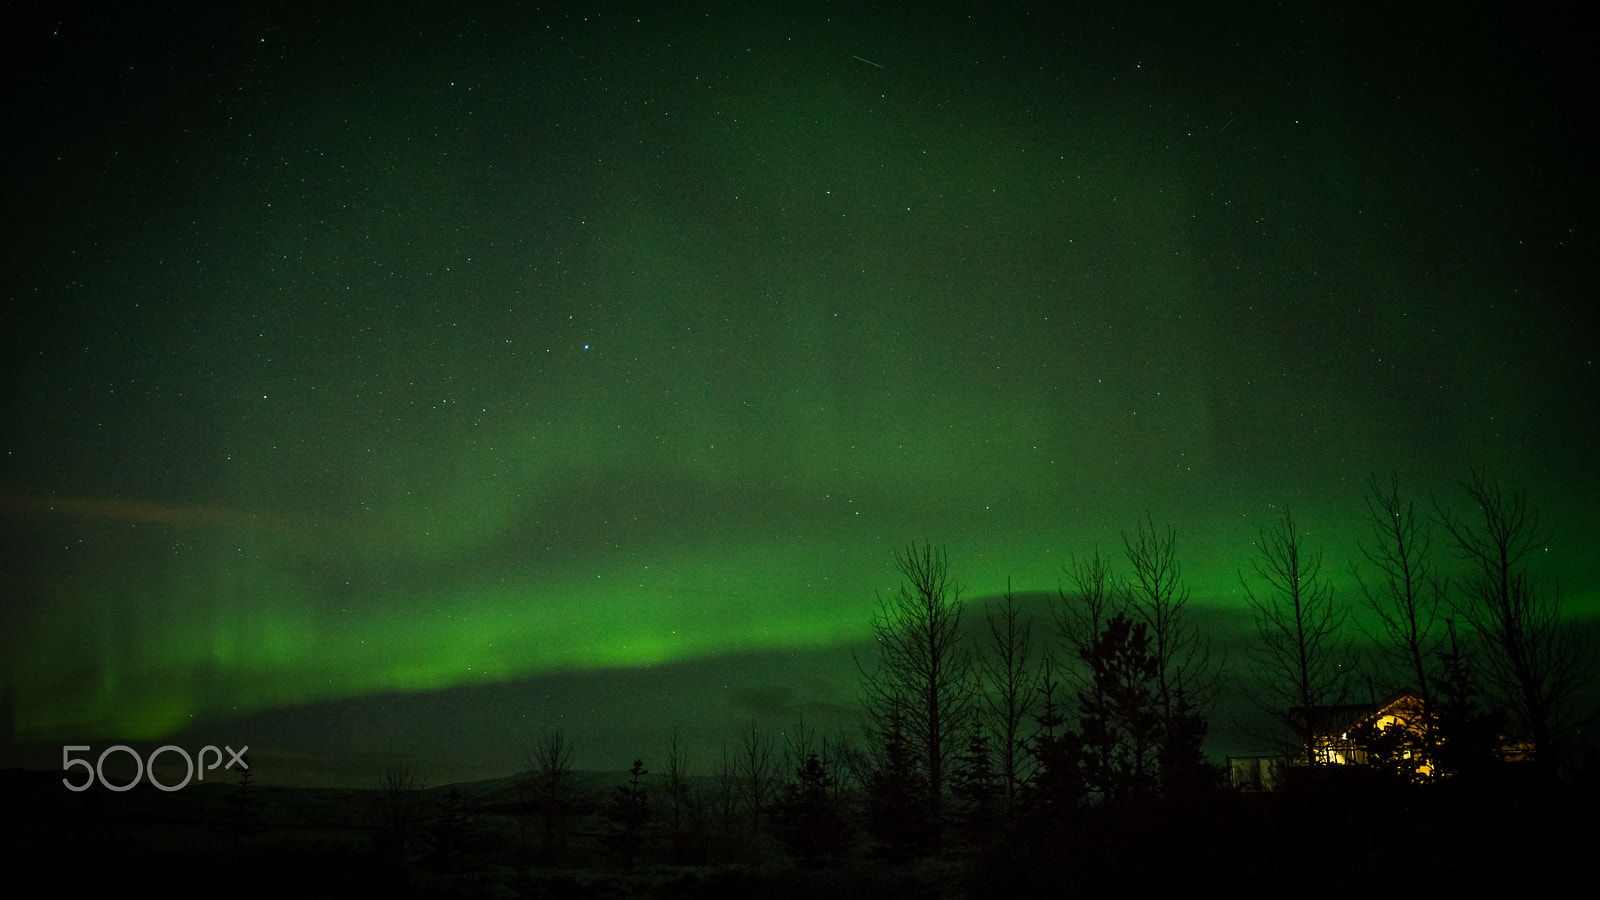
[923, 671]
[850, 765]
[1012, 688]
[1408, 590]
[1302, 660]
[1532, 660]
[399, 810]
[1155, 594]
[550, 791]
[1082, 613]
[1187, 678]
[725, 795]
[799, 743]
[676, 789]
[756, 769]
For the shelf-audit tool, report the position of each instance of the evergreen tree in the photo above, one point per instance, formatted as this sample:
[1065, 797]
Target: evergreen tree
[1050, 715]
[896, 808]
[1120, 717]
[807, 814]
[1467, 736]
[451, 830]
[1058, 788]
[245, 806]
[629, 811]
[1184, 770]
[977, 786]
[1396, 753]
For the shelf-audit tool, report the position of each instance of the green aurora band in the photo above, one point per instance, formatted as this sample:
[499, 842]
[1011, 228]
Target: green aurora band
[274, 621]
[433, 353]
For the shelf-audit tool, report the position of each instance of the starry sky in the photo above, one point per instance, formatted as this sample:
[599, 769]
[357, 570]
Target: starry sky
[406, 382]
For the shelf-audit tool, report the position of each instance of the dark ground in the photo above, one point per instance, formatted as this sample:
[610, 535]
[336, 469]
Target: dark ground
[1339, 837]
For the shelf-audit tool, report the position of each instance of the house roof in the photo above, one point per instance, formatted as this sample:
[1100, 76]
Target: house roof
[1340, 718]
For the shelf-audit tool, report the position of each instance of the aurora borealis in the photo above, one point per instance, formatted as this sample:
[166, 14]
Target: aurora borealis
[356, 354]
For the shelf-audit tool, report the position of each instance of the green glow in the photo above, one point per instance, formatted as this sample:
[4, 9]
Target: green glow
[250, 632]
[277, 647]
[575, 346]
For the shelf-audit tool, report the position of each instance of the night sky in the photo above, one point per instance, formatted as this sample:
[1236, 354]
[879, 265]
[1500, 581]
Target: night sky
[407, 383]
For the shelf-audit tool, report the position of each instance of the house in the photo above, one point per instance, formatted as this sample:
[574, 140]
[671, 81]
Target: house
[1396, 734]
[1350, 734]
[1392, 731]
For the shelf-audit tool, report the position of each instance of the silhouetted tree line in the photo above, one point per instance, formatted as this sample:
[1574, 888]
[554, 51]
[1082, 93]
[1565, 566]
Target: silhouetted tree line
[1029, 756]
[1022, 736]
